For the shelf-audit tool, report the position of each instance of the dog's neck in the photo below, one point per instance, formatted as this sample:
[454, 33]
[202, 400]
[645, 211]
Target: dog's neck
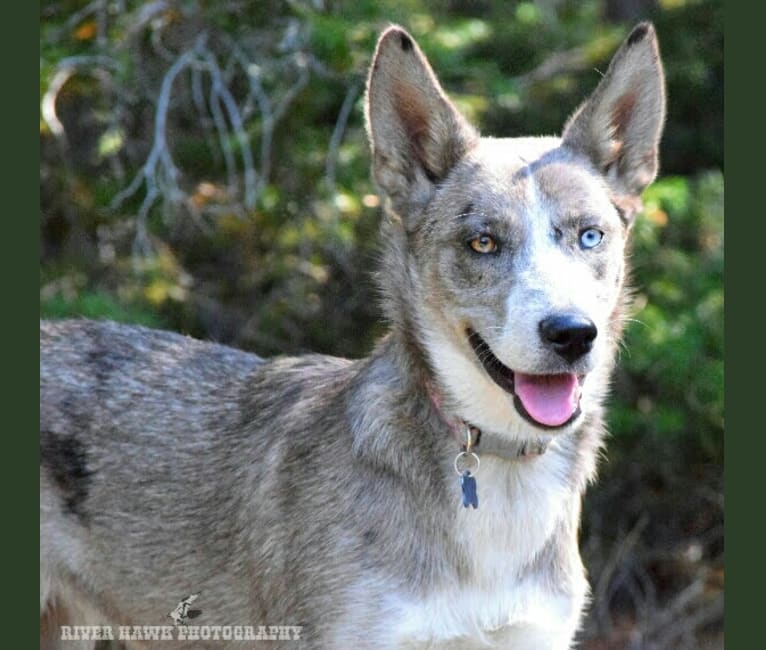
[468, 436]
[420, 381]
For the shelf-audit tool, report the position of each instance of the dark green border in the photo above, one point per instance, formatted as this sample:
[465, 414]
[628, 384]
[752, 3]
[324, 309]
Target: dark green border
[19, 53]
[745, 444]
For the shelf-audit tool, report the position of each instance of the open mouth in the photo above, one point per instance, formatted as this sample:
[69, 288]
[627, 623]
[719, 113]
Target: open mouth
[546, 401]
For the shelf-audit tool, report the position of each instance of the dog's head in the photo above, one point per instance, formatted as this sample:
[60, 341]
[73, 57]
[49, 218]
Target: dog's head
[506, 256]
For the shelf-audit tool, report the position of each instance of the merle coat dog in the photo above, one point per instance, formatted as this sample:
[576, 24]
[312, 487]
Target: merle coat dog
[427, 495]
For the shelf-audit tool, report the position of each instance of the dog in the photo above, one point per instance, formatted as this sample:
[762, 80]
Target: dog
[425, 496]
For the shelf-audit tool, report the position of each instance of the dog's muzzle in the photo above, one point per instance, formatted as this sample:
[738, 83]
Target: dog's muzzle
[547, 401]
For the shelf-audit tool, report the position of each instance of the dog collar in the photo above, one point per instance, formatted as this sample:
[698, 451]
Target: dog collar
[489, 443]
[473, 440]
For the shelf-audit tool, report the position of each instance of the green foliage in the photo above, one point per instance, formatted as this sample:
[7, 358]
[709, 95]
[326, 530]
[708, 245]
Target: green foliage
[694, 73]
[98, 305]
[671, 379]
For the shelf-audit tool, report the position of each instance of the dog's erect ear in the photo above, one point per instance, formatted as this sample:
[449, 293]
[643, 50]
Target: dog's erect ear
[416, 134]
[620, 125]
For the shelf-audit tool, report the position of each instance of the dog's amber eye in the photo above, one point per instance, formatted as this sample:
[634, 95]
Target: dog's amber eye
[483, 244]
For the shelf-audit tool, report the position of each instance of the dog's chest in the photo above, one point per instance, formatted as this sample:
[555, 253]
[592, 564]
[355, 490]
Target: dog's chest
[517, 515]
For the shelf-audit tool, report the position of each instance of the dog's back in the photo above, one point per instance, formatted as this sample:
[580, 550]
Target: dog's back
[163, 464]
[130, 419]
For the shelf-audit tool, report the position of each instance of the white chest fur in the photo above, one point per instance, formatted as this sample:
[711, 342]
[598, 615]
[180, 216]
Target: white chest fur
[519, 508]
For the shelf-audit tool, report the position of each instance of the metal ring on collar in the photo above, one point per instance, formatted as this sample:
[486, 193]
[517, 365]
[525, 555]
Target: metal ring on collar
[471, 455]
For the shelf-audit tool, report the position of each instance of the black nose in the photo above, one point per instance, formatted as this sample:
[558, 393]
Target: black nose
[570, 335]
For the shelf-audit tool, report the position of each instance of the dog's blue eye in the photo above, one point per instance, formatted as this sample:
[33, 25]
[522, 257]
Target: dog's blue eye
[590, 238]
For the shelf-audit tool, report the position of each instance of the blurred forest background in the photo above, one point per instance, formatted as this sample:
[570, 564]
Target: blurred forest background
[204, 168]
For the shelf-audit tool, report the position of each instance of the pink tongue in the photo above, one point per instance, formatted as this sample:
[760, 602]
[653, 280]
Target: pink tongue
[549, 399]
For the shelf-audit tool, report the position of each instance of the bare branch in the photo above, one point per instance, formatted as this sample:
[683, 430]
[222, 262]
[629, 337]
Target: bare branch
[223, 139]
[159, 172]
[65, 69]
[602, 592]
[301, 63]
[227, 120]
[337, 135]
[145, 14]
[688, 626]
[220, 92]
[270, 121]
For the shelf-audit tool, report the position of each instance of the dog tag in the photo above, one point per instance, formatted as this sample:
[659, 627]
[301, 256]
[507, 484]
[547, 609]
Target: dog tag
[468, 486]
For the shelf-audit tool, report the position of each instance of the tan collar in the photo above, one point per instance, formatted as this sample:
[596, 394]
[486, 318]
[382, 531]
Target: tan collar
[471, 438]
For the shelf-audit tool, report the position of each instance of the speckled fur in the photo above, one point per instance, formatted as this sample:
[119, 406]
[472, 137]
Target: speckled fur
[320, 492]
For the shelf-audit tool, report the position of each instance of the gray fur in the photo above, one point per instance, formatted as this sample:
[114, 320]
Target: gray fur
[320, 492]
